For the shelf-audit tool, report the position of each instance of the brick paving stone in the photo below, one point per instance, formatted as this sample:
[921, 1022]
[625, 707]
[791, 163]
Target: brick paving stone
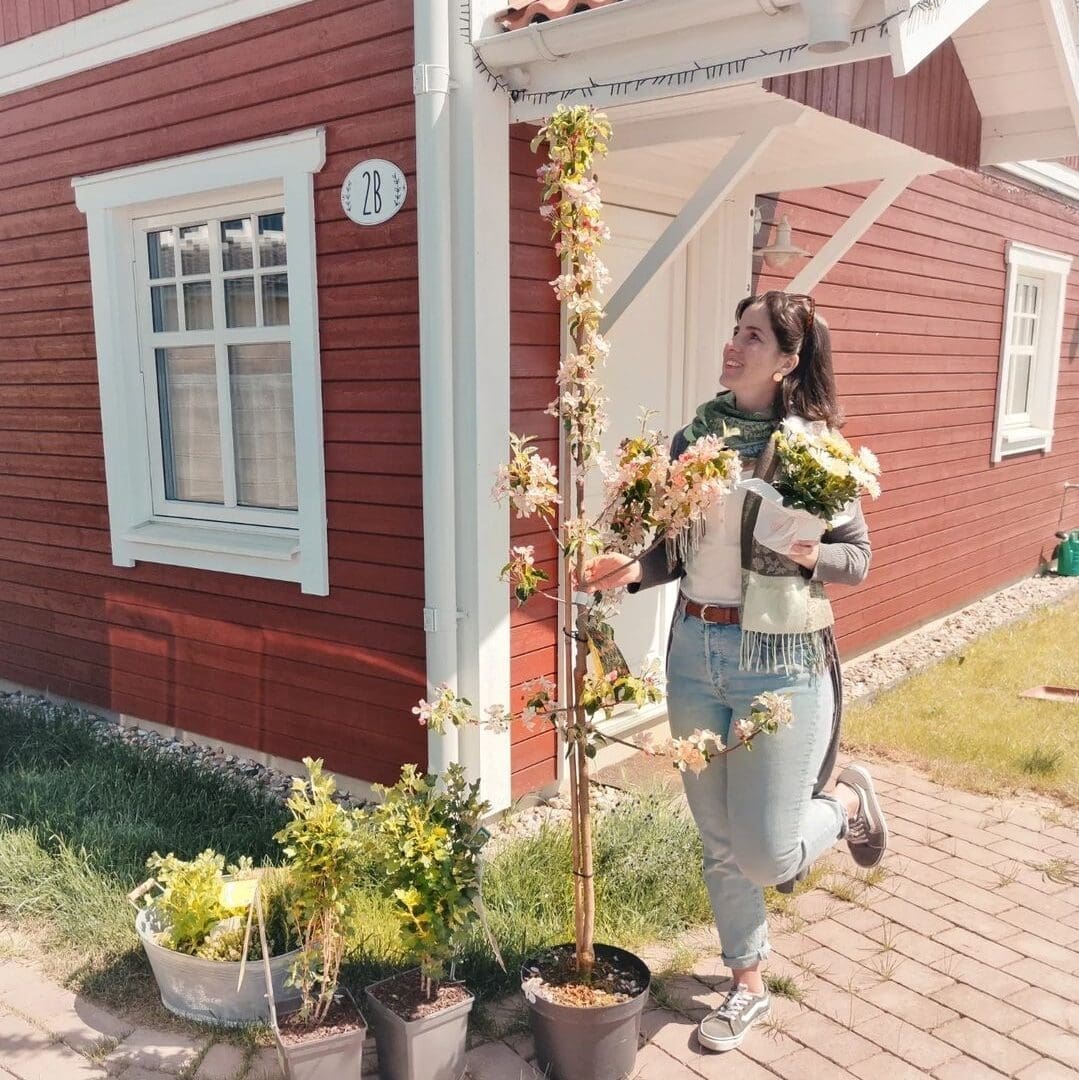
[985, 1008]
[837, 969]
[1046, 1070]
[1033, 922]
[732, 1065]
[1038, 974]
[965, 1068]
[1037, 881]
[1050, 1041]
[911, 848]
[887, 1065]
[80, 1024]
[266, 1066]
[992, 903]
[1012, 830]
[832, 1040]
[816, 905]
[765, 1044]
[1058, 956]
[652, 1064]
[916, 892]
[688, 995]
[988, 1046]
[137, 1072]
[807, 1064]
[975, 853]
[921, 1011]
[923, 873]
[967, 831]
[496, 1061]
[990, 979]
[788, 944]
[914, 976]
[911, 916]
[918, 1048]
[30, 1054]
[1009, 849]
[859, 919]
[962, 870]
[168, 1051]
[1045, 1005]
[669, 1029]
[843, 940]
[977, 947]
[847, 1009]
[1030, 899]
[978, 922]
[895, 938]
[223, 1061]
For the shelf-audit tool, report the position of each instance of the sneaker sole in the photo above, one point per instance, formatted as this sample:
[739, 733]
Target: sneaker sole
[722, 1045]
[872, 808]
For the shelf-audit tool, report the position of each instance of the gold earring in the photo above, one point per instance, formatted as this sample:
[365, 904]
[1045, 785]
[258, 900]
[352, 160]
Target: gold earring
[777, 377]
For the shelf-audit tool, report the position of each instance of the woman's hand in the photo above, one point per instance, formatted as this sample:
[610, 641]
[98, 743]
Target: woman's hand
[610, 571]
[805, 553]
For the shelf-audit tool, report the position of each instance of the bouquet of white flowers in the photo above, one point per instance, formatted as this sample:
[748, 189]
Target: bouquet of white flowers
[819, 477]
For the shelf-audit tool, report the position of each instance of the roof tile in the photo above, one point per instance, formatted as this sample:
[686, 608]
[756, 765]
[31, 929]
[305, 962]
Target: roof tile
[522, 13]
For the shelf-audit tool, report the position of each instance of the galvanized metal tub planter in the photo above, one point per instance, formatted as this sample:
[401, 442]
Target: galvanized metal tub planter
[331, 1051]
[206, 990]
[582, 1042]
[431, 1047]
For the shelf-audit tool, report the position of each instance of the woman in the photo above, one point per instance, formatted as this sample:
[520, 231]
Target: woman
[750, 620]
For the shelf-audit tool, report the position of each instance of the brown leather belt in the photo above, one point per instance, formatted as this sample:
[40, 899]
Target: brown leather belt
[711, 613]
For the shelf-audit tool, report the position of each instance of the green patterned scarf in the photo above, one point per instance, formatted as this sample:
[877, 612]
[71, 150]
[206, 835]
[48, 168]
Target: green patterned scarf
[745, 432]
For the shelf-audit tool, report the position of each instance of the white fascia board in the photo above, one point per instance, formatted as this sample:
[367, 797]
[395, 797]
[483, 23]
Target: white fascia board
[916, 33]
[1046, 174]
[128, 29]
[714, 52]
[226, 166]
[1040, 135]
[1060, 20]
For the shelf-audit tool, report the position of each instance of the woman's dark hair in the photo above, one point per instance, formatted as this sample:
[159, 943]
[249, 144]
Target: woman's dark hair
[809, 390]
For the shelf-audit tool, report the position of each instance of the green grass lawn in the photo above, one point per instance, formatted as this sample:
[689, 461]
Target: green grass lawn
[80, 813]
[964, 723]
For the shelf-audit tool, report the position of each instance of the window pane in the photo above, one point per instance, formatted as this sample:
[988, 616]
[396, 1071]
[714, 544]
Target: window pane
[198, 305]
[190, 425]
[260, 377]
[275, 300]
[1023, 330]
[236, 253]
[163, 306]
[195, 249]
[1020, 391]
[240, 301]
[272, 240]
[161, 254]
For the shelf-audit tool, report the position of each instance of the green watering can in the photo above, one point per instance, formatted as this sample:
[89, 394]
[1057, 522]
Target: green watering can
[1068, 554]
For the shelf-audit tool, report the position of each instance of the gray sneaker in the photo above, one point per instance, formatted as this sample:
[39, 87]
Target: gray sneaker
[867, 833]
[726, 1027]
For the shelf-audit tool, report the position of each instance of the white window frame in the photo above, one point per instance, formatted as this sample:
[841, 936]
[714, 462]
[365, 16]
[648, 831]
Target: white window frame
[280, 169]
[1020, 433]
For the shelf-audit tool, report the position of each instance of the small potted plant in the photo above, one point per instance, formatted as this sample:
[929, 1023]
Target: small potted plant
[431, 838]
[196, 934]
[329, 860]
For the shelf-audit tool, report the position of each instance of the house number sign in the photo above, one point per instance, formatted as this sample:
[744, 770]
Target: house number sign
[373, 191]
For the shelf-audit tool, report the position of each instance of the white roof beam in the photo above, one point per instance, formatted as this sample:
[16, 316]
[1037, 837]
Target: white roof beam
[716, 187]
[915, 34]
[722, 122]
[852, 230]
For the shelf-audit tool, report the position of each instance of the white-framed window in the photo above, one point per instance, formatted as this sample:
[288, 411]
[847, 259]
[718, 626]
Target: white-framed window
[1030, 349]
[206, 321]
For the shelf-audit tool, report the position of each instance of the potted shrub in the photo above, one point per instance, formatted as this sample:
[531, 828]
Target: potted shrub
[431, 839]
[586, 1000]
[194, 931]
[329, 860]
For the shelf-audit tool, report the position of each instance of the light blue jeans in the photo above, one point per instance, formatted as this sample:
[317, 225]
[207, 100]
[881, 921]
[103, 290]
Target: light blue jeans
[759, 821]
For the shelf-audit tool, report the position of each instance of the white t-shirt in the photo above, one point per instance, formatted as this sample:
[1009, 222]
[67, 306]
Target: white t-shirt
[714, 570]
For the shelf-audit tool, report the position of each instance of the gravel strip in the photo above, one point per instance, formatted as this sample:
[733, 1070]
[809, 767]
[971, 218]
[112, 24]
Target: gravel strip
[863, 677]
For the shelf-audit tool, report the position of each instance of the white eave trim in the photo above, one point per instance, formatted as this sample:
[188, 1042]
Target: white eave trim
[128, 29]
[1046, 174]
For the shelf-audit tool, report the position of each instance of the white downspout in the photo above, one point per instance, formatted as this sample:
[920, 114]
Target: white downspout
[431, 86]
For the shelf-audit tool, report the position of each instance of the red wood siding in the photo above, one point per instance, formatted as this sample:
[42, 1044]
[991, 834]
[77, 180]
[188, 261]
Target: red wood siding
[22, 18]
[534, 336]
[249, 661]
[931, 109]
[916, 310]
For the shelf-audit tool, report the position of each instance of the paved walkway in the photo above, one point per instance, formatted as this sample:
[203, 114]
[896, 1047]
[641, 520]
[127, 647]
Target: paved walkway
[962, 962]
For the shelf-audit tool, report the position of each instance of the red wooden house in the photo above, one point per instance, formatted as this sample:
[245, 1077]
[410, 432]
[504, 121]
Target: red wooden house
[248, 427]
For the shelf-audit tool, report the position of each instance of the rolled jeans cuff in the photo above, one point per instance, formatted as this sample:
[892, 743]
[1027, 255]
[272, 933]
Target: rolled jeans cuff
[740, 963]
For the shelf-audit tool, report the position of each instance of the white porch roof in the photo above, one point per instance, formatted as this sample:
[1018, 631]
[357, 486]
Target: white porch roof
[1020, 57]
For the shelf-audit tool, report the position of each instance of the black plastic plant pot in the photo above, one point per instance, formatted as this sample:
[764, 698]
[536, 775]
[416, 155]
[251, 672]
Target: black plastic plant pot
[590, 1042]
[430, 1048]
